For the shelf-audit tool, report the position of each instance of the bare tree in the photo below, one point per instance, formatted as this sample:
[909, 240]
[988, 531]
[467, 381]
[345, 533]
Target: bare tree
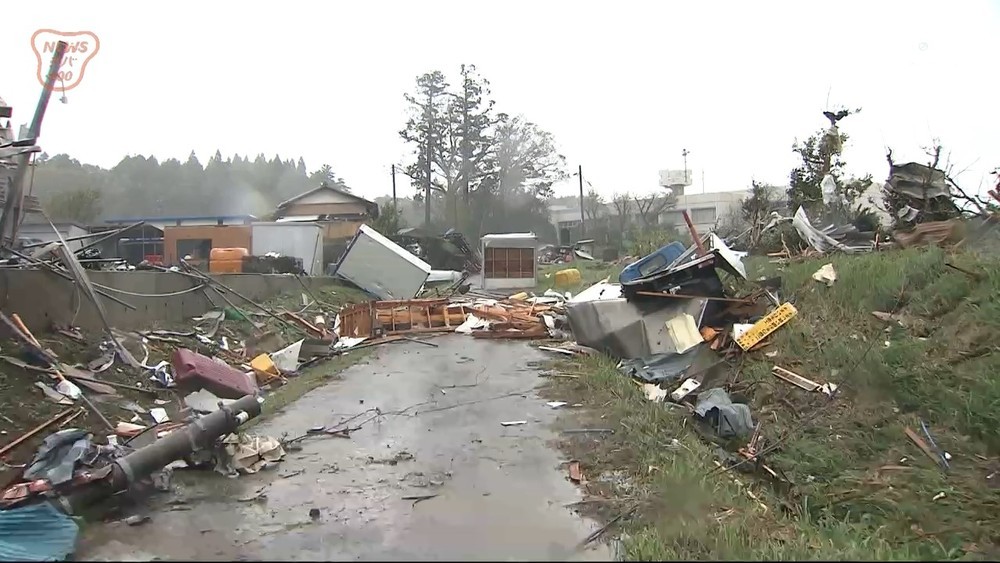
[623, 210]
[593, 205]
[650, 208]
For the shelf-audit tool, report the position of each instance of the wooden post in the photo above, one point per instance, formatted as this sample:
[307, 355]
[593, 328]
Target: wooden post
[694, 233]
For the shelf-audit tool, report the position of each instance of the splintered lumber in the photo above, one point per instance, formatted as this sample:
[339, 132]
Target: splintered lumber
[27, 436]
[416, 316]
[794, 378]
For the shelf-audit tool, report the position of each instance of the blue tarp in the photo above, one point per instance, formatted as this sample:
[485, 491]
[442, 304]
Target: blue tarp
[38, 532]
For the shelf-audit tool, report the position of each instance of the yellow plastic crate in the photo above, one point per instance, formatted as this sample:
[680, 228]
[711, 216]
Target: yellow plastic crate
[762, 328]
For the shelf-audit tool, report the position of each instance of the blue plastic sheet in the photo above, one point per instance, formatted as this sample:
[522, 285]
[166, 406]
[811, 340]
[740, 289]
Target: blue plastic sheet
[38, 532]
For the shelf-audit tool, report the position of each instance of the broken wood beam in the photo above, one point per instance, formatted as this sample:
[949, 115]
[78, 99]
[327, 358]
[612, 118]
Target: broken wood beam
[794, 378]
[684, 296]
[694, 233]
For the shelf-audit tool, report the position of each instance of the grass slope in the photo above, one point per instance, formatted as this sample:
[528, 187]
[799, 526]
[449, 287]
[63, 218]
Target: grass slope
[861, 489]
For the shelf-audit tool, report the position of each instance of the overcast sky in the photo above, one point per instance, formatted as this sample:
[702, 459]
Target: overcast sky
[623, 86]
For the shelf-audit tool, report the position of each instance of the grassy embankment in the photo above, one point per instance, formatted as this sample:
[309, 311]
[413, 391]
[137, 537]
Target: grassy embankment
[861, 489]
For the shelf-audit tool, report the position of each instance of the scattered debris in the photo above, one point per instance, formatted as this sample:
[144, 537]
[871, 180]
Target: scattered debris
[826, 274]
[794, 378]
[419, 498]
[686, 388]
[729, 419]
[137, 520]
[575, 473]
[246, 453]
[514, 423]
[654, 392]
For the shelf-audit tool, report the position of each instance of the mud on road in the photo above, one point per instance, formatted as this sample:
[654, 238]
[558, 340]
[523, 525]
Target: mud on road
[500, 490]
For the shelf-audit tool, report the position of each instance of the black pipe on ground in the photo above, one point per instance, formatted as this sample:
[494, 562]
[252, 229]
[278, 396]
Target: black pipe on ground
[199, 435]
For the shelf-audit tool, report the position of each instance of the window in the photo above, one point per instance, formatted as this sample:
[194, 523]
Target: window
[509, 262]
[672, 218]
[198, 248]
[703, 215]
[655, 263]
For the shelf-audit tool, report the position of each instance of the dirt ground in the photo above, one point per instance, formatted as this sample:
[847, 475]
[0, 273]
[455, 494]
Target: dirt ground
[501, 492]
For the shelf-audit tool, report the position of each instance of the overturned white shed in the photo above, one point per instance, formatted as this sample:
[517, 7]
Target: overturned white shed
[509, 261]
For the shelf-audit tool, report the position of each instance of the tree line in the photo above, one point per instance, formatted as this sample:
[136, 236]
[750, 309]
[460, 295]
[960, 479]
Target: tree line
[140, 186]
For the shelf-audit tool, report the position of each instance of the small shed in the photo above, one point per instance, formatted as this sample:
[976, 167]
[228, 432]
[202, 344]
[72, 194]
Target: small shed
[299, 240]
[509, 261]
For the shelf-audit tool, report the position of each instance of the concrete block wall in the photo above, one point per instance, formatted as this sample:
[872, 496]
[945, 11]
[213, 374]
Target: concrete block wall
[42, 298]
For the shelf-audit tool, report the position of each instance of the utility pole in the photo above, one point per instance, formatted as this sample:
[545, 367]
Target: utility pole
[583, 221]
[685, 154]
[394, 186]
[12, 212]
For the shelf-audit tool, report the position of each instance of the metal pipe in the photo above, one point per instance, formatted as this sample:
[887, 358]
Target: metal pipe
[107, 236]
[62, 273]
[199, 435]
[103, 234]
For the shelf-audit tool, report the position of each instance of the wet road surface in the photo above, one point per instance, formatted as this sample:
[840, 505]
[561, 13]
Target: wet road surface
[500, 491]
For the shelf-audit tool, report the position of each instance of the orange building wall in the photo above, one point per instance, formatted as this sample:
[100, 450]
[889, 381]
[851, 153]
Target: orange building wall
[222, 236]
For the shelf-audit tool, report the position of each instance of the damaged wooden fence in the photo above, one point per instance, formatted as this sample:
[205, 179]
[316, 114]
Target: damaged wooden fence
[508, 319]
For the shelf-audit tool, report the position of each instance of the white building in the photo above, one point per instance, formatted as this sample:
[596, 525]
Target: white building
[42, 232]
[705, 209]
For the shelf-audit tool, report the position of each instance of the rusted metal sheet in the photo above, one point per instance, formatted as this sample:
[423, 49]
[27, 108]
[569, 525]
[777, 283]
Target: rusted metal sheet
[933, 232]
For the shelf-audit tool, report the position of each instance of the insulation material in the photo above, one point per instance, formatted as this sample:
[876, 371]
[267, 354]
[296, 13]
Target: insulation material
[247, 453]
[598, 291]
[683, 332]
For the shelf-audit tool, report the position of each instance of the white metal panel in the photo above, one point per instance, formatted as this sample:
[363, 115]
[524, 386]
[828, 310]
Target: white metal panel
[381, 267]
[325, 196]
[509, 283]
[299, 240]
[510, 240]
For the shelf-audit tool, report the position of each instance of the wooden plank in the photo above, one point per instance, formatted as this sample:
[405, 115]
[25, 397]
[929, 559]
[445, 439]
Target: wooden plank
[916, 439]
[27, 435]
[794, 378]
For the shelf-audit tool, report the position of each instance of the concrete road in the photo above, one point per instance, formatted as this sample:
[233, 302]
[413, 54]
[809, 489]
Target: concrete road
[500, 490]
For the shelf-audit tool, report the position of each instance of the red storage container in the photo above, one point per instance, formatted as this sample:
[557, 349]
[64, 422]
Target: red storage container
[191, 369]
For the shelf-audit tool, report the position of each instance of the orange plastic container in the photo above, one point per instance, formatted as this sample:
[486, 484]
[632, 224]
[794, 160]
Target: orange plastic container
[226, 260]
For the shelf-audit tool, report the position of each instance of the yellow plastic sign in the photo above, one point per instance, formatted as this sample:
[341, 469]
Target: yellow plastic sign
[762, 328]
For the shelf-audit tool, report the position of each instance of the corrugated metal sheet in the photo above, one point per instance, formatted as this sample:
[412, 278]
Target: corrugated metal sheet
[38, 532]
